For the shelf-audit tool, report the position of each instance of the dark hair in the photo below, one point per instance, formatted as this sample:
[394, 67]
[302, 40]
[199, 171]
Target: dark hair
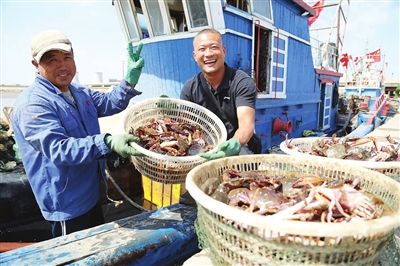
[208, 30]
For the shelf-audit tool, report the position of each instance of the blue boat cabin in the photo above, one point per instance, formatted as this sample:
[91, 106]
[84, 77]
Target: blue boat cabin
[269, 40]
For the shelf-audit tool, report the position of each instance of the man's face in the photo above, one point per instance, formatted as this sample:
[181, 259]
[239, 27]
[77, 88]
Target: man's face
[209, 52]
[57, 67]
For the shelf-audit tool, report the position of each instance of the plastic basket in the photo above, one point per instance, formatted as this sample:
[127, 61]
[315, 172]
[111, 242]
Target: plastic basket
[164, 168]
[253, 239]
[391, 169]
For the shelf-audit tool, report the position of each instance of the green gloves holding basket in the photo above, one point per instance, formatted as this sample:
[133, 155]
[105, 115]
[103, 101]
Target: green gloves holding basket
[228, 148]
[120, 144]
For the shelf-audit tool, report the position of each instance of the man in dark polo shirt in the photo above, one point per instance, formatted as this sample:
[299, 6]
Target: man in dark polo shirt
[227, 92]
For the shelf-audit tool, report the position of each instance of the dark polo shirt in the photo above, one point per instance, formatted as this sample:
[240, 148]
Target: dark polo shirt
[236, 89]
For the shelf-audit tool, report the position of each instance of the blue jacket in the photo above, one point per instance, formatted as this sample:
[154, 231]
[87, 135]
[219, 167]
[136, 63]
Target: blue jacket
[61, 146]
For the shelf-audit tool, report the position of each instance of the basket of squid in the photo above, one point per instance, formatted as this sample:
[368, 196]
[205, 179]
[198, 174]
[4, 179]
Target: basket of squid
[382, 155]
[280, 210]
[172, 132]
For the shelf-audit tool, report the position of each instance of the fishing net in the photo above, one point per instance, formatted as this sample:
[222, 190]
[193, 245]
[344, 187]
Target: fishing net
[238, 237]
[165, 168]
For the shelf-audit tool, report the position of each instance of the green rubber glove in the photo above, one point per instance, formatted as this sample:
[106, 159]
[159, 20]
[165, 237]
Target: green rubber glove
[120, 144]
[135, 64]
[228, 148]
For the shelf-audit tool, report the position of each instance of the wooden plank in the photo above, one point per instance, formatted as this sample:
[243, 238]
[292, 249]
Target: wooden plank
[7, 246]
[165, 236]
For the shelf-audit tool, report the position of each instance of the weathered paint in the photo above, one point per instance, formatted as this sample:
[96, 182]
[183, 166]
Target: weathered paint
[161, 237]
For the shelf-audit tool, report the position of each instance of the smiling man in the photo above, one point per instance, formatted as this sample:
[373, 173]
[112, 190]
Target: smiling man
[228, 92]
[57, 130]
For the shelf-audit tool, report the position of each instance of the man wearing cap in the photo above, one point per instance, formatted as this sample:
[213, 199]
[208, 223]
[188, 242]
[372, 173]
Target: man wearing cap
[57, 131]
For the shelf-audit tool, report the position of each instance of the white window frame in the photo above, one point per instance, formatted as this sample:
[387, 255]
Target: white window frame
[164, 15]
[271, 93]
[258, 15]
[123, 20]
[189, 23]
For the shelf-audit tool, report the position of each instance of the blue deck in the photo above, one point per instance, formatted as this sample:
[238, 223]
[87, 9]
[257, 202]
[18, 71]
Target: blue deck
[163, 237]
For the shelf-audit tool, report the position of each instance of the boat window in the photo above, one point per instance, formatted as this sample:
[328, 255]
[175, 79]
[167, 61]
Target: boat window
[141, 19]
[262, 57]
[150, 18]
[241, 4]
[143, 26]
[261, 7]
[197, 13]
[156, 16]
[177, 15]
[128, 11]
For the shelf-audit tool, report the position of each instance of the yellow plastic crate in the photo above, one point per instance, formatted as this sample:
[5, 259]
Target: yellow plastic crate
[161, 194]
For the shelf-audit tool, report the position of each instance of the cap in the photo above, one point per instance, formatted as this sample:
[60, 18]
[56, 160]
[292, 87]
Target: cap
[49, 40]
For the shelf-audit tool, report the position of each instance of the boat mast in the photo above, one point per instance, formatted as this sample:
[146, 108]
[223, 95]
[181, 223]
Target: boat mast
[337, 25]
[339, 42]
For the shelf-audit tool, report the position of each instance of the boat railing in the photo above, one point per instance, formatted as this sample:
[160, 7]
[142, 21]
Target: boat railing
[379, 104]
[367, 79]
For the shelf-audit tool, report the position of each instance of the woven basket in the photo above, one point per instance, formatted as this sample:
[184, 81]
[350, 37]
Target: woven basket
[391, 169]
[237, 237]
[164, 168]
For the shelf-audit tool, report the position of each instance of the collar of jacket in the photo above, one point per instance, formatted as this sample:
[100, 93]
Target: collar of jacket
[48, 85]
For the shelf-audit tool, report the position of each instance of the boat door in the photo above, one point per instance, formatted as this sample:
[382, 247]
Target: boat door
[325, 105]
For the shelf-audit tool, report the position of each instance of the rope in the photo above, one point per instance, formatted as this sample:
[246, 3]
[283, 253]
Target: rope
[134, 204]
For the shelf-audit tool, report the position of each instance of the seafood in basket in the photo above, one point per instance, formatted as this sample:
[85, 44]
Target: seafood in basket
[362, 149]
[346, 215]
[295, 197]
[171, 137]
[168, 161]
[382, 155]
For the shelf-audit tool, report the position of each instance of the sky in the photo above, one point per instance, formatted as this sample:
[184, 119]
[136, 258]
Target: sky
[92, 26]
[100, 44]
[371, 25]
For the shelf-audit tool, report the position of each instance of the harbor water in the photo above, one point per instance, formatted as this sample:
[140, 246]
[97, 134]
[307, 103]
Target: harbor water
[8, 95]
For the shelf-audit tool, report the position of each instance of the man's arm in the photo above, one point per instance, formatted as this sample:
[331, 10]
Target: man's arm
[246, 118]
[41, 126]
[242, 135]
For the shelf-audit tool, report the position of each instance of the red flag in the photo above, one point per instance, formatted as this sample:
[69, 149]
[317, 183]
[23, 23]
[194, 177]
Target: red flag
[318, 8]
[344, 59]
[375, 56]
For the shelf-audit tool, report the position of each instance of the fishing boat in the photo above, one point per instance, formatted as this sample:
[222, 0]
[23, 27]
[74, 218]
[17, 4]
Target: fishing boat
[365, 94]
[269, 40]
